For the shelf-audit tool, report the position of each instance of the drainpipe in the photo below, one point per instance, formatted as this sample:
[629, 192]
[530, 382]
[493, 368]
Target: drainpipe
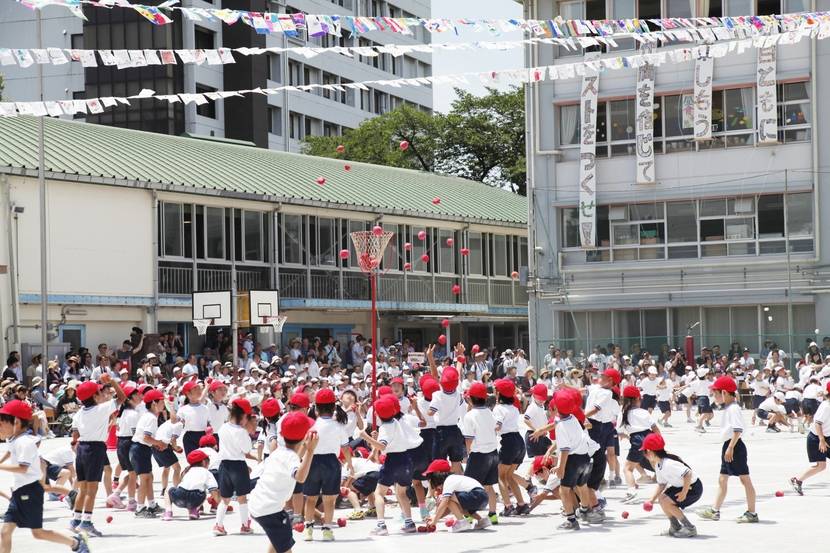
[814, 144]
[15, 300]
[154, 309]
[530, 147]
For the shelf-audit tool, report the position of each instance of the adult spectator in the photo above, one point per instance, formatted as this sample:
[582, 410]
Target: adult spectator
[12, 369]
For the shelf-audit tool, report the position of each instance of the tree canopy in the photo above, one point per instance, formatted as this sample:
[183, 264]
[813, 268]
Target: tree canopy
[482, 138]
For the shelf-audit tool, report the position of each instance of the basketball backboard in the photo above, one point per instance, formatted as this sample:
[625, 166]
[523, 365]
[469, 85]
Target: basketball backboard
[263, 305]
[214, 307]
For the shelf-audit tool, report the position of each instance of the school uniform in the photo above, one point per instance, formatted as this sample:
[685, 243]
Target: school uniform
[704, 404]
[822, 416]
[366, 475]
[792, 402]
[602, 430]
[195, 417]
[447, 409]
[664, 396]
[637, 427]
[234, 444]
[733, 422]
[760, 391]
[26, 504]
[124, 437]
[399, 439]
[267, 501]
[479, 425]
[165, 433]
[809, 399]
[649, 396]
[672, 473]
[141, 452]
[217, 416]
[324, 473]
[571, 438]
[469, 493]
[267, 438]
[56, 461]
[767, 407]
[512, 450]
[422, 456]
[92, 424]
[193, 488]
[535, 414]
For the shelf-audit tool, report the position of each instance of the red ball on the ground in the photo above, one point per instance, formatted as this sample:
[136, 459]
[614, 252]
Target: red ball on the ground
[779, 493]
[449, 521]
[299, 527]
[442, 339]
[423, 529]
[431, 528]
[341, 522]
[109, 519]
[344, 492]
[648, 506]
[625, 514]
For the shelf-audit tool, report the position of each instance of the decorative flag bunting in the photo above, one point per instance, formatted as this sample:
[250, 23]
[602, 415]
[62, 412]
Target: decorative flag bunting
[644, 118]
[704, 67]
[767, 96]
[589, 94]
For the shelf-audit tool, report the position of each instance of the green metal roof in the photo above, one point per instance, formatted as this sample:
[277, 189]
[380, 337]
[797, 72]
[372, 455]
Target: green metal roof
[111, 155]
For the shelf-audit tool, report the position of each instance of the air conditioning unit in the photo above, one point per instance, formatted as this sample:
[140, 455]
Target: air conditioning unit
[744, 205]
[618, 213]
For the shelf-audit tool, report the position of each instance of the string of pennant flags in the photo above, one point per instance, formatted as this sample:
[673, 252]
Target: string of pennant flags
[573, 70]
[298, 24]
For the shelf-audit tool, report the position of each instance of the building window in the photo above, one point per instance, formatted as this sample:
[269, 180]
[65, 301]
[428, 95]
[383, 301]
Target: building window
[275, 120]
[499, 263]
[313, 127]
[295, 73]
[380, 104]
[172, 229]
[274, 62]
[296, 123]
[681, 227]
[637, 231]
[476, 257]
[800, 222]
[419, 248]
[76, 41]
[621, 126]
[447, 253]
[207, 109]
[215, 232]
[794, 111]
[347, 96]
[254, 235]
[204, 39]
[329, 79]
[325, 248]
[391, 256]
[293, 244]
[330, 129]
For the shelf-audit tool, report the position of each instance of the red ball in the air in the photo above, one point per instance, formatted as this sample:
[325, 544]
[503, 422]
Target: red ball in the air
[347, 167]
[407, 246]
[442, 340]
[465, 251]
[436, 200]
[377, 230]
[450, 242]
[514, 275]
[425, 258]
[445, 323]
[407, 266]
[475, 349]
[344, 254]
[404, 145]
[456, 289]
[321, 180]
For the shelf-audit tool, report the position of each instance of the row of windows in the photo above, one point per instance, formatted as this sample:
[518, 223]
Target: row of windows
[733, 121]
[745, 225]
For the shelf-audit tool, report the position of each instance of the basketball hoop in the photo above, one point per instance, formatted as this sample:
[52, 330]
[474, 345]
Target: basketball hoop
[202, 325]
[369, 248]
[275, 322]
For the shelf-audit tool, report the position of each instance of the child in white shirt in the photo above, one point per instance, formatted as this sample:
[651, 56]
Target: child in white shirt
[196, 483]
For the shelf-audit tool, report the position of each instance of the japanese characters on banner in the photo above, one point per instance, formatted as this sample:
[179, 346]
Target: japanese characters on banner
[767, 96]
[588, 95]
[644, 99]
[704, 67]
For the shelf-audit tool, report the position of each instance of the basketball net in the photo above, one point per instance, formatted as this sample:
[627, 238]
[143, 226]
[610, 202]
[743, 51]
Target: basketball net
[369, 248]
[275, 322]
[202, 325]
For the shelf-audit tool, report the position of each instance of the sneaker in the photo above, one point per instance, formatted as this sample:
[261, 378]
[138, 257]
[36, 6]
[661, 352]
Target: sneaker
[155, 509]
[708, 423]
[570, 524]
[508, 511]
[748, 517]
[494, 519]
[482, 523]
[380, 530]
[602, 502]
[617, 481]
[70, 498]
[356, 515]
[709, 514]
[796, 484]
[219, 530]
[308, 533]
[114, 502]
[582, 514]
[595, 516]
[144, 512]
[523, 510]
[686, 532]
[409, 528]
[424, 512]
[91, 530]
[371, 513]
[670, 532]
[460, 526]
[773, 430]
[667, 425]
[54, 497]
[700, 430]
[132, 505]
[167, 516]
[246, 529]
[630, 496]
[83, 543]
[193, 514]
[73, 524]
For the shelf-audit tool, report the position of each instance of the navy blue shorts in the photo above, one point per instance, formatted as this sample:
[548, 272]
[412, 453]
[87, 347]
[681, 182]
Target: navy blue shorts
[792, 406]
[53, 472]
[695, 492]
[90, 458]
[396, 469]
[578, 470]
[634, 453]
[277, 527]
[166, 457]
[366, 484]
[536, 447]
[738, 466]
[26, 507]
[122, 451]
[422, 455]
[141, 458]
[483, 467]
[703, 405]
[809, 406]
[449, 442]
[813, 453]
[604, 434]
[762, 414]
[186, 499]
[472, 501]
[323, 476]
[682, 399]
[190, 440]
[298, 488]
[235, 479]
[648, 402]
[664, 406]
[757, 401]
[512, 450]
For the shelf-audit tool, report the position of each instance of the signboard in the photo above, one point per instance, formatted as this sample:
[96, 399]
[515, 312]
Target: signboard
[704, 68]
[587, 155]
[416, 357]
[767, 96]
[645, 121]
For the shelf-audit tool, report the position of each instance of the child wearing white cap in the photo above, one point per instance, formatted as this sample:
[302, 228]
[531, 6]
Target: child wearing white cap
[772, 410]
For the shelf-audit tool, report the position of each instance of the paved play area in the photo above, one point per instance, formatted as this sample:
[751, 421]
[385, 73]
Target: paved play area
[786, 522]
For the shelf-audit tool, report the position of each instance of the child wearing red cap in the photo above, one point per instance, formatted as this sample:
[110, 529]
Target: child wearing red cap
[267, 439]
[26, 503]
[141, 453]
[459, 495]
[677, 486]
[234, 479]
[542, 469]
[447, 409]
[479, 427]
[217, 410]
[127, 421]
[512, 447]
[536, 417]
[298, 402]
[635, 423]
[194, 415]
[197, 482]
[733, 452]
[818, 450]
[283, 468]
[422, 455]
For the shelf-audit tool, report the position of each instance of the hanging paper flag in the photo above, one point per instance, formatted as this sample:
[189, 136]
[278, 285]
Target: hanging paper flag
[704, 67]
[56, 56]
[587, 154]
[152, 14]
[94, 106]
[315, 26]
[41, 55]
[152, 57]
[645, 120]
[53, 109]
[168, 57]
[7, 57]
[24, 58]
[767, 97]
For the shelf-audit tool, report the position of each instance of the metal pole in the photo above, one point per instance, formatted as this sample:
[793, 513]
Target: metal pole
[373, 286]
[789, 271]
[234, 314]
[41, 178]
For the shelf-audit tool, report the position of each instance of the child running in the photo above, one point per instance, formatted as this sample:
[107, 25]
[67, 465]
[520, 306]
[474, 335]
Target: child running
[141, 453]
[479, 428]
[817, 449]
[194, 415]
[512, 450]
[234, 480]
[127, 421]
[636, 423]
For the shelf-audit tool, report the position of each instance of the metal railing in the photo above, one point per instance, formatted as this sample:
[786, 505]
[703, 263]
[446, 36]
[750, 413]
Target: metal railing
[178, 280]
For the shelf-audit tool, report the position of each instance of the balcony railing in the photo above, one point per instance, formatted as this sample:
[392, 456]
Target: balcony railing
[178, 279]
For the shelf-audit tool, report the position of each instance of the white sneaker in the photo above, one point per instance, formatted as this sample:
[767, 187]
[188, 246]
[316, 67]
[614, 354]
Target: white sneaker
[461, 526]
[483, 522]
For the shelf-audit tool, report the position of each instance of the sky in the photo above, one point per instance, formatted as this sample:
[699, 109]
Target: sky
[449, 62]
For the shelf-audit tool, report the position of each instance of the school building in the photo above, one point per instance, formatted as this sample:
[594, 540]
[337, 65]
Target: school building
[723, 233]
[137, 221]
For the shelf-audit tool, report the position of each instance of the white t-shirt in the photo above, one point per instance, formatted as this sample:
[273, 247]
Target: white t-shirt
[23, 452]
[361, 467]
[535, 414]
[479, 424]
[126, 423]
[664, 393]
[760, 387]
[332, 436]
[398, 436]
[639, 420]
[822, 416]
[671, 473]
[601, 399]
[423, 407]
[732, 421]
[770, 406]
[571, 437]
[194, 416]
[459, 483]
[234, 442]
[168, 430]
[217, 415]
[446, 408]
[93, 422]
[199, 479]
[213, 456]
[649, 386]
[507, 418]
[59, 457]
[276, 484]
[811, 391]
[146, 427]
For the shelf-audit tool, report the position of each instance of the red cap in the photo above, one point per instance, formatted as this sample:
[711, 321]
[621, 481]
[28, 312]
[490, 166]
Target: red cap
[565, 402]
[653, 442]
[18, 409]
[505, 387]
[828, 387]
[539, 463]
[397, 380]
[215, 385]
[387, 407]
[449, 379]
[324, 397]
[362, 452]
[243, 404]
[143, 388]
[424, 379]
[438, 465]
[295, 426]
[429, 387]
[478, 390]
[87, 390]
[128, 389]
[632, 392]
[270, 407]
[152, 395]
[196, 456]
[188, 386]
[725, 384]
[613, 374]
[385, 391]
[208, 440]
[616, 390]
[299, 399]
[540, 391]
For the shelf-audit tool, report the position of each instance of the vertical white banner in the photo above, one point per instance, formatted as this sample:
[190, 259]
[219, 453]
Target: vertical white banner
[704, 67]
[645, 121]
[587, 155]
[767, 96]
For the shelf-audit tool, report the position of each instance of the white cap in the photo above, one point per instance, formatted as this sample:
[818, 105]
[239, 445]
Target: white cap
[779, 396]
[703, 371]
[652, 370]
[215, 363]
[151, 356]
[756, 372]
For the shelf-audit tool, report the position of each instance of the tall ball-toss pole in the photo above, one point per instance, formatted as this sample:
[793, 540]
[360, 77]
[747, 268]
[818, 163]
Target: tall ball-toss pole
[374, 287]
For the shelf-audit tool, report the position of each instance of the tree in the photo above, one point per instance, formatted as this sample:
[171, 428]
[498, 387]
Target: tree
[482, 138]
